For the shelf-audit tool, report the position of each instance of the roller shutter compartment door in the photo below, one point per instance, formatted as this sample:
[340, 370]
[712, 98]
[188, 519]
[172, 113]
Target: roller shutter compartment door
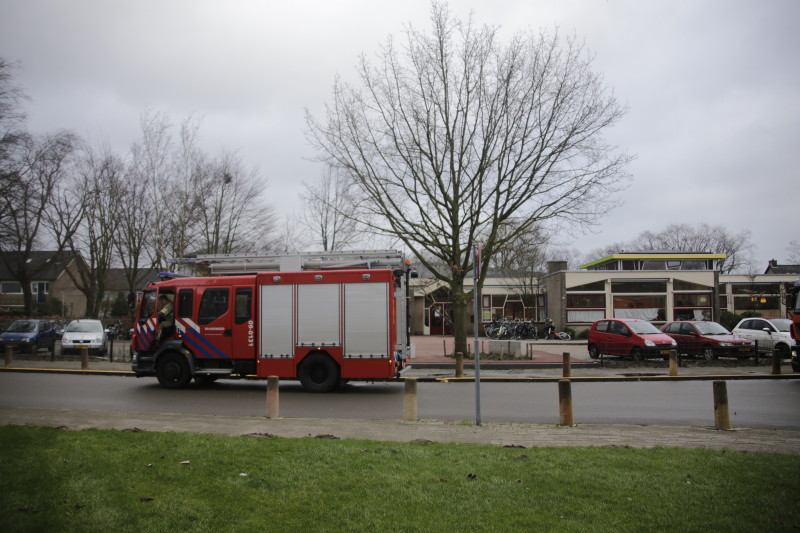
[318, 315]
[276, 321]
[366, 314]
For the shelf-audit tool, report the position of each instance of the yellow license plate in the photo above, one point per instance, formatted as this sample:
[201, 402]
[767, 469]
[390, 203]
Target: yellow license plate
[664, 352]
[81, 346]
[745, 349]
[11, 345]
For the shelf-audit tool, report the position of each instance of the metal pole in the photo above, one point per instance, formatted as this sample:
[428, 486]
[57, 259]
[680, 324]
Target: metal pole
[475, 300]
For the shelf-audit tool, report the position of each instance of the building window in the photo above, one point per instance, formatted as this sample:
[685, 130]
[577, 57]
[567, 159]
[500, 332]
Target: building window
[651, 308]
[629, 265]
[11, 287]
[585, 315]
[586, 300]
[623, 287]
[487, 300]
[586, 307]
[692, 299]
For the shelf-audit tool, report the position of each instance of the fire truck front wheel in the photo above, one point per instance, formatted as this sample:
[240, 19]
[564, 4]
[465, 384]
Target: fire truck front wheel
[318, 373]
[173, 371]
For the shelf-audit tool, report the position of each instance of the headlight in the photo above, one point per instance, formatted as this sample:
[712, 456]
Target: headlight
[726, 344]
[99, 338]
[674, 342]
[649, 343]
[26, 339]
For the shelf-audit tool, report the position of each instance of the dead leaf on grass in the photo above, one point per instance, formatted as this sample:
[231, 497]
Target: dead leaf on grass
[513, 446]
[471, 477]
[518, 481]
[23, 509]
[79, 506]
[259, 435]
[327, 436]
[151, 464]
[146, 499]
[184, 463]
[630, 499]
[443, 480]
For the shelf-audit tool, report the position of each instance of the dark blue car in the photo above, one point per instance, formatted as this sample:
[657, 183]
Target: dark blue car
[28, 336]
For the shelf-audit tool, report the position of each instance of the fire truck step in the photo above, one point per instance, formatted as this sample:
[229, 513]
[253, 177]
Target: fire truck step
[213, 371]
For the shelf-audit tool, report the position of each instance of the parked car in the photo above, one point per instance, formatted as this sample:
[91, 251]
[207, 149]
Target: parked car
[29, 336]
[771, 333]
[84, 334]
[628, 337]
[709, 339]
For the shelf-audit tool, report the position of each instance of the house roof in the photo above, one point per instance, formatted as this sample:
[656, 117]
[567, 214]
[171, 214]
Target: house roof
[116, 280]
[782, 269]
[36, 260]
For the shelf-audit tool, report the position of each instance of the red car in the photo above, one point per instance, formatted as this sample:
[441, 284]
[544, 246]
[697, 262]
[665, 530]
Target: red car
[628, 337]
[708, 339]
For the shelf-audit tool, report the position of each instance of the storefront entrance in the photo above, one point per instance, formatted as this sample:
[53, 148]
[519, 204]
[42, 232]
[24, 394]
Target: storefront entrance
[441, 316]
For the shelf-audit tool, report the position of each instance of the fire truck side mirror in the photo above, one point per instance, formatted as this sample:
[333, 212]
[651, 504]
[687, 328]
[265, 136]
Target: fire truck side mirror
[413, 274]
[131, 300]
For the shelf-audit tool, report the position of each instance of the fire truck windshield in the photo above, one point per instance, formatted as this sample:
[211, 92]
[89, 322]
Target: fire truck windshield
[148, 304]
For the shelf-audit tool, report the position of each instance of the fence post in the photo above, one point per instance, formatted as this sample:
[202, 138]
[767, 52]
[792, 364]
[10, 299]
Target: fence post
[722, 418]
[111, 351]
[776, 362]
[410, 401]
[565, 403]
[273, 404]
[444, 347]
[673, 363]
[566, 366]
[84, 358]
[9, 361]
[460, 364]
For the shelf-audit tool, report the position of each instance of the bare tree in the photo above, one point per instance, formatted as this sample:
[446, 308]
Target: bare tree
[12, 132]
[133, 236]
[289, 237]
[454, 133]
[523, 263]
[151, 166]
[235, 216]
[40, 171]
[328, 205]
[794, 252]
[99, 186]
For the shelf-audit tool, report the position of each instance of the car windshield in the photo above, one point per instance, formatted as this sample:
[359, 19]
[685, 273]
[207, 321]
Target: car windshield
[23, 326]
[781, 323]
[642, 328]
[711, 328]
[85, 327]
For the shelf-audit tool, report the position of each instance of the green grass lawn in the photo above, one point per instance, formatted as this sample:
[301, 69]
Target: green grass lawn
[96, 480]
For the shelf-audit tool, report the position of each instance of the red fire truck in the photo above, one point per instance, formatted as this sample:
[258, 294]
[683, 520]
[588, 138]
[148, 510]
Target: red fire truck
[321, 317]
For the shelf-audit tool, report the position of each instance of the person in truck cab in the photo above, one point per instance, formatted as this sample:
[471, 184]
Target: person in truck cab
[166, 318]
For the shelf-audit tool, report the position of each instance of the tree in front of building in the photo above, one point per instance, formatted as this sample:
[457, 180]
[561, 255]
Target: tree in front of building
[454, 133]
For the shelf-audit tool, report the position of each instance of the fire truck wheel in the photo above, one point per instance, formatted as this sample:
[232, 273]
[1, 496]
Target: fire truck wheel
[173, 371]
[318, 373]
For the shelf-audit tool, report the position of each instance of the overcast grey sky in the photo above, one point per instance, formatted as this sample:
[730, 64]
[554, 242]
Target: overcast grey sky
[712, 88]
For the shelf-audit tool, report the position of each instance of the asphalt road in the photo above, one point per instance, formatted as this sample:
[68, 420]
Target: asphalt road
[757, 404]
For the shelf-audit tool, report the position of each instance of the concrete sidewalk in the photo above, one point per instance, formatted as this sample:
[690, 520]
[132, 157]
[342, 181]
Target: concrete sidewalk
[527, 435]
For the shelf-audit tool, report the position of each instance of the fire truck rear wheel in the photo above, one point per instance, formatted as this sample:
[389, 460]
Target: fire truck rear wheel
[173, 371]
[318, 373]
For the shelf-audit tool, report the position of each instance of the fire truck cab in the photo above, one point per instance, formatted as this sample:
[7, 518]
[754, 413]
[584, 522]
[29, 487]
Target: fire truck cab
[330, 318]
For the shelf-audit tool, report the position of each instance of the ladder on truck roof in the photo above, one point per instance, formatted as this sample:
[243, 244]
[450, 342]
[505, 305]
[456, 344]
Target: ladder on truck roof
[293, 262]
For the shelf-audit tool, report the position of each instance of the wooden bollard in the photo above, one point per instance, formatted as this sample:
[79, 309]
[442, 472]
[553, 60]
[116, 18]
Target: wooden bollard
[84, 358]
[273, 400]
[567, 366]
[776, 362]
[459, 365]
[673, 362]
[565, 403]
[8, 357]
[410, 401]
[722, 417]
[444, 347]
[501, 352]
[482, 350]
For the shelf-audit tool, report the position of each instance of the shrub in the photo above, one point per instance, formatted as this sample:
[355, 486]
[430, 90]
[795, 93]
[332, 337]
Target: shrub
[584, 334]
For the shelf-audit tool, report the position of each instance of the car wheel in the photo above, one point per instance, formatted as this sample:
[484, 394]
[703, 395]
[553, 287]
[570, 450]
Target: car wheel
[318, 373]
[637, 354]
[594, 353]
[173, 371]
[708, 353]
[784, 350]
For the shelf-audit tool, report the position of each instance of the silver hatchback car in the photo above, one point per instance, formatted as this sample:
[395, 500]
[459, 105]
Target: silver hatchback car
[84, 334]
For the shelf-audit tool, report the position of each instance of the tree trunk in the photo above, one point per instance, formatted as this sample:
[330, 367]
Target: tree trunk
[459, 300]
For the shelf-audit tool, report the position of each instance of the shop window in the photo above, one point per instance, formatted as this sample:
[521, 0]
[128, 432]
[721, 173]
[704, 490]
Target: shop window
[644, 307]
[756, 288]
[680, 285]
[757, 303]
[596, 286]
[586, 300]
[692, 300]
[692, 314]
[622, 287]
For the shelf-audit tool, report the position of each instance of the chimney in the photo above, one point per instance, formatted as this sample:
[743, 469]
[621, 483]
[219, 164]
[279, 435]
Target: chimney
[773, 263]
[555, 266]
